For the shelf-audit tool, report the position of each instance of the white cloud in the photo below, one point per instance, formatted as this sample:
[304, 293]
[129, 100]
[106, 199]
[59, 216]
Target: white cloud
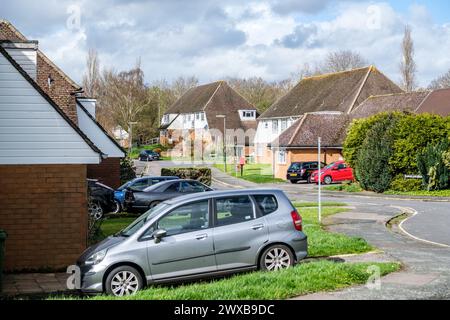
[238, 38]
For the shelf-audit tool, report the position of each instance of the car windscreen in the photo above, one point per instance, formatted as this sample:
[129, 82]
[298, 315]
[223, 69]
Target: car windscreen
[331, 165]
[142, 220]
[295, 166]
[124, 186]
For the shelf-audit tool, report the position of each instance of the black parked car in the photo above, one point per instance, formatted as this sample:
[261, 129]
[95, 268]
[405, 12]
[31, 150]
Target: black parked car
[100, 199]
[149, 155]
[301, 171]
[141, 201]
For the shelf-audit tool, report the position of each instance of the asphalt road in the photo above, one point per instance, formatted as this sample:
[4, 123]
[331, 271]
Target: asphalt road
[431, 223]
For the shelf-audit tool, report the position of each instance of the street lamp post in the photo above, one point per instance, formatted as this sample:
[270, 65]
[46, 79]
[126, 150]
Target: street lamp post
[224, 117]
[130, 124]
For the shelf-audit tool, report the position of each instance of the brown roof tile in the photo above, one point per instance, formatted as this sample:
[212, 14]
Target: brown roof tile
[332, 92]
[438, 102]
[215, 99]
[330, 126]
[392, 102]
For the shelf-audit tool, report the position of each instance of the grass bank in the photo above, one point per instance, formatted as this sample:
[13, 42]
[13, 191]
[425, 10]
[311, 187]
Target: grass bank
[258, 173]
[303, 279]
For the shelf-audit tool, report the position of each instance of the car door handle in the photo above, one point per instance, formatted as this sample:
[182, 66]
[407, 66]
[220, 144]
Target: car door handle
[258, 227]
[201, 236]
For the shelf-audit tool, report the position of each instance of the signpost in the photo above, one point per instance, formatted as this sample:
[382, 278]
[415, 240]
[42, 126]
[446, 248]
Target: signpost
[320, 179]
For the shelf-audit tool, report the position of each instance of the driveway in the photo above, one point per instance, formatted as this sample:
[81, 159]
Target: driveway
[424, 253]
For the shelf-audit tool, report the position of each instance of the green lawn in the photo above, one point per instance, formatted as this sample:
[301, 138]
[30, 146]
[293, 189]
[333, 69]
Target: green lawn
[354, 187]
[322, 243]
[439, 193]
[258, 173]
[113, 225]
[303, 279]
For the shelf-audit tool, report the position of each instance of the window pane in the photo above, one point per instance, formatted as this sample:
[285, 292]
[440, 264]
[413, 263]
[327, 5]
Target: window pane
[140, 185]
[187, 218]
[266, 203]
[233, 210]
[173, 187]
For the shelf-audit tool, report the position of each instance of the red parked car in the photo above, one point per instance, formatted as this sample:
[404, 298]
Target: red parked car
[336, 172]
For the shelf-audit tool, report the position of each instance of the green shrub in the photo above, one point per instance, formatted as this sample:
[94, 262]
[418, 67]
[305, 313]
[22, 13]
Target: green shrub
[127, 172]
[399, 183]
[413, 133]
[357, 133]
[201, 174]
[431, 163]
[372, 163]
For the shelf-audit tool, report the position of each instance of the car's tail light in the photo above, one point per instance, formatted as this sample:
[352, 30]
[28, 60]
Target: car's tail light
[297, 220]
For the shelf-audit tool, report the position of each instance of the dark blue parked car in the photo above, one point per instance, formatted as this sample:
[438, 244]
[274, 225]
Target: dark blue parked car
[137, 184]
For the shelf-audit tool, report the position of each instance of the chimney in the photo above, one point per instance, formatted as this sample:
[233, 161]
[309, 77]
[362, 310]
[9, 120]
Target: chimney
[24, 53]
[89, 104]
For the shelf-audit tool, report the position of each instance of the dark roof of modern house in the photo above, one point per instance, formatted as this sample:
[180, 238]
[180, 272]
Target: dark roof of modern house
[216, 98]
[304, 133]
[340, 91]
[49, 99]
[403, 102]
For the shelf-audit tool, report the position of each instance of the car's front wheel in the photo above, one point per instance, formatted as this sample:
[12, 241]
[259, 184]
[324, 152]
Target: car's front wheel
[276, 257]
[328, 180]
[124, 281]
[116, 207]
[95, 210]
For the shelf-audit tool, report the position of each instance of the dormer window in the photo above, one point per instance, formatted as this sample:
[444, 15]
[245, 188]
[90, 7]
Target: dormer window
[248, 114]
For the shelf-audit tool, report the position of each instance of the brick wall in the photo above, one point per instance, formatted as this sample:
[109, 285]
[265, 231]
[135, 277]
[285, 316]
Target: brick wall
[43, 208]
[328, 156]
[107, 172]
[60, 90]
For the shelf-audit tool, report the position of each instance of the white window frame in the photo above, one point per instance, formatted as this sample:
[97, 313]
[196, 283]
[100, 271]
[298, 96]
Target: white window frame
[282, 156]
[275, 126]
[283, 124]
[202, 116]
[266, 124]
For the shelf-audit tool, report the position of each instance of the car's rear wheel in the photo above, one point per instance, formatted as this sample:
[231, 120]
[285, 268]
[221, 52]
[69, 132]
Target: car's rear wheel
[328, 180]
[95, 210]
[309, 180]
[123, 281]
[276, 257]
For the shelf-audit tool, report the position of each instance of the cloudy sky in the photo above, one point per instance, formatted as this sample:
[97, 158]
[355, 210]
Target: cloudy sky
[239, 38]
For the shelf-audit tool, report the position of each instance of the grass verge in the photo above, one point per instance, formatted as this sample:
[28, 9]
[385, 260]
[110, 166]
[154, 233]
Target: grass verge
[322, 243]
[438, 193]
[303, 279]
[258, 173]
[353, 187]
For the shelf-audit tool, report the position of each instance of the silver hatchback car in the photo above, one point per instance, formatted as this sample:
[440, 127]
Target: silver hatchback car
[197, 236]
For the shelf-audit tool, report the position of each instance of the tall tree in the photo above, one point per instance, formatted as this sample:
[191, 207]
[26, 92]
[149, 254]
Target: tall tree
[183, 84]
[91, 78]
[441, 82]
[408, 67]
[341, 60]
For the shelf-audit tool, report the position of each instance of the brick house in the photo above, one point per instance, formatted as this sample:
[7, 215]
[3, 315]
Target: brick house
[337, 92]
[191, 123]
[69, 97]
[48, 140]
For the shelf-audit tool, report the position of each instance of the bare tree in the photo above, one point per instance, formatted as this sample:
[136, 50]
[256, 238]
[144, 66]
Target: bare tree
[442, 82]
[341, 60]
[183, 84]
[126, 95]
[91, 78]
[408, 66]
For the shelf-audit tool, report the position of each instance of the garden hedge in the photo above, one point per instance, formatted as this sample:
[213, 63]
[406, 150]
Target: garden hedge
[201, 174]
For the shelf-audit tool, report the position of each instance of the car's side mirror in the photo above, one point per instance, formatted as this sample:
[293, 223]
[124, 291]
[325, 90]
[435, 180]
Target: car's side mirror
[159, 234]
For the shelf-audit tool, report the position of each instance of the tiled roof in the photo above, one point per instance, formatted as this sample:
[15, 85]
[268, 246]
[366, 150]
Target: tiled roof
[393, 102]
[339, 91]
[330, 126]
[438, 102]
